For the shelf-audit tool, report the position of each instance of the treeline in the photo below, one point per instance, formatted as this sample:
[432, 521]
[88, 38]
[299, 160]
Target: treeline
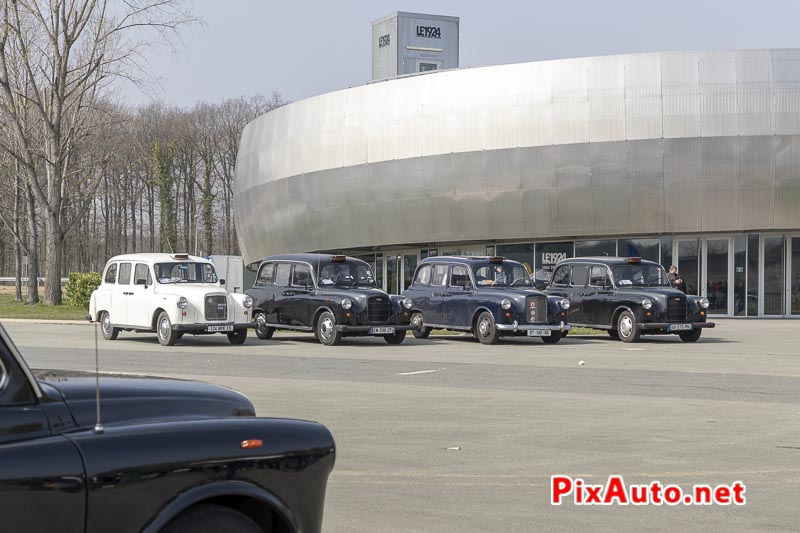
[83, 176]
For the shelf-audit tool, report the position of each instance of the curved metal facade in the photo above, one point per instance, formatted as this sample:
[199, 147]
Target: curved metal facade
[633, 144]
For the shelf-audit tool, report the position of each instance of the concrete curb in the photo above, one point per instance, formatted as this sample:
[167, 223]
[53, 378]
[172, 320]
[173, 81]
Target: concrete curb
[45, 321]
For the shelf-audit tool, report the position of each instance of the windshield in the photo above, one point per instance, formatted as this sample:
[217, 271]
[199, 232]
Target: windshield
[505, 274]
[347, 274]
[186, 272]
[640, 276]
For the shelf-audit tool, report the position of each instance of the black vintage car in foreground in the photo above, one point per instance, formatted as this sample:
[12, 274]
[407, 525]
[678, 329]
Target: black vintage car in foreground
[489, 296]
[171, 456]
[332, 296]
[627, 297]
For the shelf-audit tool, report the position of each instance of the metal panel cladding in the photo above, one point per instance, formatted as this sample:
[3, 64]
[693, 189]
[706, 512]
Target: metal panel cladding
[618, 145]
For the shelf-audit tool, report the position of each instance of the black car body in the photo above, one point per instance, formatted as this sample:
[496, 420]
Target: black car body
[169, 452]
[627, 297]
[488, 296]
[332, 296]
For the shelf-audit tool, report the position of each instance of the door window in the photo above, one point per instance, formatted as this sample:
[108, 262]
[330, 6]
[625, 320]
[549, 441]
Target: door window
[439, 277]
[561, 276]
[423, 275]
[301, 276]
[265, 275]
[459, 276]
[580, 273]
[141, 275]
[111, 274]
[282, 272]
[124, 273]
[598, 277]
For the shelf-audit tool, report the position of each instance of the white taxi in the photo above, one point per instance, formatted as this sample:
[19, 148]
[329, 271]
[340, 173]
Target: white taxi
[170, 294]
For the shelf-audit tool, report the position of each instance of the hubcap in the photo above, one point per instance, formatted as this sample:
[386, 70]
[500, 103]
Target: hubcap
[626, 326]
[326, 328]
[106, 323]
[483, 327]
[260, 321]
[417, 321]
[163, 328]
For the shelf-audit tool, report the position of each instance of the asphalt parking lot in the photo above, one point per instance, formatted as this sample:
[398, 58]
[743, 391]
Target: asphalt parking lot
[448, 435]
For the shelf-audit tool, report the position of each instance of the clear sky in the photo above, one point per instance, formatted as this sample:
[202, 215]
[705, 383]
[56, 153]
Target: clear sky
[301, 49]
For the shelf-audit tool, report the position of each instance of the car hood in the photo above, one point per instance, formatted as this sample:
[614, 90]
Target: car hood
[126, 399]
[650, 292]
[510, 292]
[360, 294]
[192, 291]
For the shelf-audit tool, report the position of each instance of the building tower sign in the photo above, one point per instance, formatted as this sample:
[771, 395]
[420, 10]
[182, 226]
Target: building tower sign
[406, 43]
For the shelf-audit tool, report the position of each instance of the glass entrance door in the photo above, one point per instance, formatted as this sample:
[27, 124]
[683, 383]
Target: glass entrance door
[774, 275]
[717, 275]
[689, 264]
[400, 267]
[794, 297]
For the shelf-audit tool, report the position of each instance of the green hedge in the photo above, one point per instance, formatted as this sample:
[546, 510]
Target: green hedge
[80, 286]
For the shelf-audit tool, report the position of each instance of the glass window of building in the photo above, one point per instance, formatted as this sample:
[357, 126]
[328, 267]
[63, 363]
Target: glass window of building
[666, 252]
[740, 275]
[752, 275]
[645, 248]
[604, 248]
[521, 253]
[795, 294]
[546, 257]
[773, 276]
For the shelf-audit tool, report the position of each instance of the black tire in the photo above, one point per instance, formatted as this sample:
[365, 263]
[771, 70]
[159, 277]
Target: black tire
[326, 329]
[166, 335]
[211, 519]
[109, 332]
[554, 337]
[263, 331]
[485, 329]
[396, 338]
[421, 332]
[691, 336]
[627, 327]
[238, 336]
[564, 333]
[613, 333]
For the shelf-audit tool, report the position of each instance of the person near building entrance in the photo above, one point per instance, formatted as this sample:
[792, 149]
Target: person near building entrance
[676, 279]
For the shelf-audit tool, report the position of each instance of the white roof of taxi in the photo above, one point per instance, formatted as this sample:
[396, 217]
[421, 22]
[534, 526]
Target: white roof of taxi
[158, 258]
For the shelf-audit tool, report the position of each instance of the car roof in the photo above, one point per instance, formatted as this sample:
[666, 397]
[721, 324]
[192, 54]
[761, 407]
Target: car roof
[468, 259]
[311, 259]
[157, 258]
[604, 260]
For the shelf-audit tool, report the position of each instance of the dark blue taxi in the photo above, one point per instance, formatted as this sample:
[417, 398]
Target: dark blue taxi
[488, 296]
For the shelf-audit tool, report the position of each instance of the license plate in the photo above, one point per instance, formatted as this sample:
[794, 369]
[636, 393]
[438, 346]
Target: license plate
[679, 327]
[381, 331]
[218, 329]
[539, 333]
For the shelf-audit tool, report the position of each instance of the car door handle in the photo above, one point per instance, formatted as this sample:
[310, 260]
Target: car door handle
[287, 293]
[128, 293]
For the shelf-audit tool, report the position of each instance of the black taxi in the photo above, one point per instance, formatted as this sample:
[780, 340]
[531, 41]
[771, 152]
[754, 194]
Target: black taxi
[627, 297]
[332, 296]
[488, 296]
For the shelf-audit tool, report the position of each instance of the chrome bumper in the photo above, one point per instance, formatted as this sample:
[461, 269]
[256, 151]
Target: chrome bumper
[516, 326]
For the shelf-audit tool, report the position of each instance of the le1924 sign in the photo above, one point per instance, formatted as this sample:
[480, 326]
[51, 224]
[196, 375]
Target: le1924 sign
[429, 32]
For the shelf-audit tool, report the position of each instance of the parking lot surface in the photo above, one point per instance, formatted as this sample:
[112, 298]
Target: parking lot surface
[449, 435]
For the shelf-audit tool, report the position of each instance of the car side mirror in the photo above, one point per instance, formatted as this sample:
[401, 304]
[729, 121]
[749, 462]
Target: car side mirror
[222, 283]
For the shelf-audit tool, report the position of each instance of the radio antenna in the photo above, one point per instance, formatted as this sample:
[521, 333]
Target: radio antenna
[98, 427]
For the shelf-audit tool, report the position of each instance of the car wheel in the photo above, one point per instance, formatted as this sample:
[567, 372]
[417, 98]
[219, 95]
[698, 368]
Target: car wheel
[326, 329]
[690, 336]
[166, 335]
[612, 333]
[485, 329]
[397, 338]
[554, 337]
[238, 336]
[263, 331]
[109, 332]
[211, 519]
[627, 328]
[421, 332]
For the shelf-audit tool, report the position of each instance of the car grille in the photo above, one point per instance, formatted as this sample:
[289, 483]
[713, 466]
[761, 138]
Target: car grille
[378, 309]
[676, 308]
[216, 307]
[536, 309]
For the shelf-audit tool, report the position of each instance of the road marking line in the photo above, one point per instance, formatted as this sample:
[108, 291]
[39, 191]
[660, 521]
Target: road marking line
[634, 349]
[419, 372]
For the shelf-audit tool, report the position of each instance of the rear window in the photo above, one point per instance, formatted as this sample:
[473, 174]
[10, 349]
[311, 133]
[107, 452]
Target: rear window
[423, 275]
[561, 276]
[265, 275]
[124, 273]
[111, 273]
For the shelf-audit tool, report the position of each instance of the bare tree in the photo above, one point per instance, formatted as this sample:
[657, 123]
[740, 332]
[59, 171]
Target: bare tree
[58, 58]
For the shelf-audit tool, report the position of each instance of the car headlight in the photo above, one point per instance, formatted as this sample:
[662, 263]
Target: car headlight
[408, 303]
[247, 302]
[565, 303]
[183, 303]
[703, 302]
[647, 303]
[506, 304]
[347, 303]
